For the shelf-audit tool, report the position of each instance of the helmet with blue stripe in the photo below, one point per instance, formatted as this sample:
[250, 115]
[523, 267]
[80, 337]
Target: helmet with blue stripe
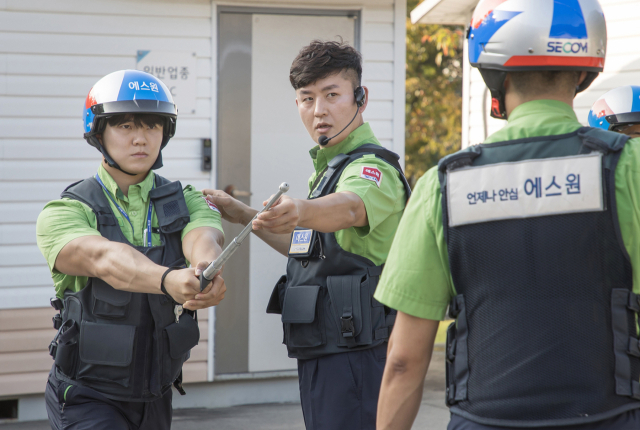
[617, 108]
[128, 92]
[529, 35]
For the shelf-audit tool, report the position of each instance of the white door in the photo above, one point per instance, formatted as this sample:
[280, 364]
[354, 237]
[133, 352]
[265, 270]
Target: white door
[268, 143]
[279, 152]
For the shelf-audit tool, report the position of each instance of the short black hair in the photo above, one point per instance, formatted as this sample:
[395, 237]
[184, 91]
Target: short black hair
[544, 82]
[138, 119]
[320, 59]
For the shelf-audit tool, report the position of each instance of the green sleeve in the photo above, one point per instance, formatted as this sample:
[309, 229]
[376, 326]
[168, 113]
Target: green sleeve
[380, 201]
[59, 223]
[628, 203]
[201, 214]
[416, 279]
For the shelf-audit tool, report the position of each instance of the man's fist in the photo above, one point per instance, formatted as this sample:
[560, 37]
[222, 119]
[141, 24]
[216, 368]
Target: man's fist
[184, 287]
[282, 218]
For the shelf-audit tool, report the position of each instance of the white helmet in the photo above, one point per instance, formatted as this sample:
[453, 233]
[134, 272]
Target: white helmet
[125, 92]
[618, 107]
[526, 35]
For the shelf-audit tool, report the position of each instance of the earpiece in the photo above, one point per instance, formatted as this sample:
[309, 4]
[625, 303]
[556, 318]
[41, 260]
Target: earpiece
[360, 96]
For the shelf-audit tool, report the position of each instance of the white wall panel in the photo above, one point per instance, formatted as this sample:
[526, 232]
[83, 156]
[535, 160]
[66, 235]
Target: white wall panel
[121, 24]
[35, 43]
[15, 234]
[377, 70]
[52, 53]
[275, 122]
[145, 8]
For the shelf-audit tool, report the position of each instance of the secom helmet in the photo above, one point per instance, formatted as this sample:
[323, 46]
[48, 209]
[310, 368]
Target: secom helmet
[128, 92]
[616, 108]
[527, 35]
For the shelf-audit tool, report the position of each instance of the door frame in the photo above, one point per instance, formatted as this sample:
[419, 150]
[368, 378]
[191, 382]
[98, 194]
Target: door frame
[217, 8]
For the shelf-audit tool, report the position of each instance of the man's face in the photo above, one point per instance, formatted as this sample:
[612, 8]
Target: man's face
[134, 148]
[327, 105]
[631, 130]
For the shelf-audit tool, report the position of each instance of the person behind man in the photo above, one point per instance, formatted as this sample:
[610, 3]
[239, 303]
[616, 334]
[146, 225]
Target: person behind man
[532, 241]
[341, 237]
[618, 110]
[118, 245]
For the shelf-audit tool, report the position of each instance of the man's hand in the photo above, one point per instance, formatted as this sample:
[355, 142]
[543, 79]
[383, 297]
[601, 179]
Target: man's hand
[184, 287]
[283, 217]
[231, 209]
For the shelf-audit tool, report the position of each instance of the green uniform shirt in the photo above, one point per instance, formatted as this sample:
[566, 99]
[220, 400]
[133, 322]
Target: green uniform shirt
[384, 201]
[63, 220]
[417, 279]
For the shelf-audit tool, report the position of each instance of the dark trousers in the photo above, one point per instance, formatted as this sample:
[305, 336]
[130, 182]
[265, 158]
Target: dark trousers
[340, 391]
[72, 407]
[626, 421]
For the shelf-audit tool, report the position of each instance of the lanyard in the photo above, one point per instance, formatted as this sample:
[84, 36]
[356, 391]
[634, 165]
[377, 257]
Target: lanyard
[147, 231]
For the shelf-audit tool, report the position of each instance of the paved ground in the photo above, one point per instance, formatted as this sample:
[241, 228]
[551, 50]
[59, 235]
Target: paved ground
[433, 413]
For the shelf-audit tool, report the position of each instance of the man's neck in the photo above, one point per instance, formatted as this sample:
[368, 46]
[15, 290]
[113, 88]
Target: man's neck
[514, 100]
[122, 179]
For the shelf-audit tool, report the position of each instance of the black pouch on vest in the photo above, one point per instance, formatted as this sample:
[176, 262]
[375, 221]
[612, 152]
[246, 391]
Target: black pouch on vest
[106, 351]
[181, 337]
[108, 302]
[277, 295]
[171, 208]
[302, 316]
[305, 244]
[353, 320]
[67, 350]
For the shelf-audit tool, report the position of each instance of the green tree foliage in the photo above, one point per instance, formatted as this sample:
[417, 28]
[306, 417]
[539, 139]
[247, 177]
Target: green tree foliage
[433, 94]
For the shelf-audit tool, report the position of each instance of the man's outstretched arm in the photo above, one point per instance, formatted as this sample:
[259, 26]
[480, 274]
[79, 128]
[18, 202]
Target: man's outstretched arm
[408, 358]
[234, 211]
[326, 214]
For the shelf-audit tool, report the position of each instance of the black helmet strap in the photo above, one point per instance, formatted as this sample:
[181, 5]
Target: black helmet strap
[494, 79]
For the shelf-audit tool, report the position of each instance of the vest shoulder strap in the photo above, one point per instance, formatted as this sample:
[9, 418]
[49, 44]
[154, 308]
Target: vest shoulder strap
[602, 140]
[340, 162]
[89, 192]
[160, 181]
[388, 156]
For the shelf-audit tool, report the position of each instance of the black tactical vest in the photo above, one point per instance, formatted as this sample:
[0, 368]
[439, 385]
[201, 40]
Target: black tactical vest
[326, 297]
[545, 331]
[126, 345]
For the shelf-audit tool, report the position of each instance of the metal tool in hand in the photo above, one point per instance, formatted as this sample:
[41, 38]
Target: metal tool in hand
[213, 268]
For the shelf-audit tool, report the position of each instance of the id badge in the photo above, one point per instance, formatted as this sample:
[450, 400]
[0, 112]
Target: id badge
[302, 243]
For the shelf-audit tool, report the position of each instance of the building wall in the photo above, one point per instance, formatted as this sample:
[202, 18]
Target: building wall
[52, 53]
[622, 67]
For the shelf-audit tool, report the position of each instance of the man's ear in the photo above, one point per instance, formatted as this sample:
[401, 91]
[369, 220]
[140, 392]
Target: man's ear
[583, 76]
[296, 101]
[507, 82]
[366, 99]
